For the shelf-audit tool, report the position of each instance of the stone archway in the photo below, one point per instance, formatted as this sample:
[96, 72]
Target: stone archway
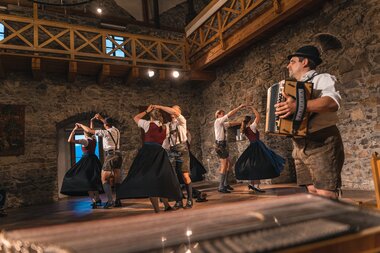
[64, 128]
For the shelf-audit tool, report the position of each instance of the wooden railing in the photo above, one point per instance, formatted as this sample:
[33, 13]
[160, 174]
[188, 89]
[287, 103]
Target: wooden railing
[43, 38]
[200, 33]
[227, 25]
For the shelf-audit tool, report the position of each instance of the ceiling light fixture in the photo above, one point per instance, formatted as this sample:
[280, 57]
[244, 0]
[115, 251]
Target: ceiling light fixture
[151, 73]
[175, 74]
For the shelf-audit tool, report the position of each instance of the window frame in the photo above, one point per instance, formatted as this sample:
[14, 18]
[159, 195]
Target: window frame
[120, 40]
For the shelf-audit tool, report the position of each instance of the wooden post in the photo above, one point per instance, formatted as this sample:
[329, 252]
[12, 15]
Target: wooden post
[375, 164]
[73, 70]
[104, 73]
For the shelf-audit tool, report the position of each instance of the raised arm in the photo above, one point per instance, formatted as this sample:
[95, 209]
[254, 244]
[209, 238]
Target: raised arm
[86, 128]
[234, 111]
[257, 116]
[92, 122]
[72, 134]
[168, 110]
[99, 117]
[139, 116]
[233, 123]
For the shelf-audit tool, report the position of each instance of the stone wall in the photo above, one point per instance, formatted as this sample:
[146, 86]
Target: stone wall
[53, 103]
[357, 66]
[176, 16]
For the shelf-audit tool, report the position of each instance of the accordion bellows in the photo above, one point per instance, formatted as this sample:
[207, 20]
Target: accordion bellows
[296, 124]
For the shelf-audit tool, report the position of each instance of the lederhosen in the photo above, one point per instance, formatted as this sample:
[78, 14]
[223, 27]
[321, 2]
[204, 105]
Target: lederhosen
[221, 147]
[178, 153]
[113, 158]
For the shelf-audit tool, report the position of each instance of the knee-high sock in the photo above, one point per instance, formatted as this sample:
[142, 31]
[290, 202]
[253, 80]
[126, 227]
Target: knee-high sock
[189, 191]
[221, 182]
[108, 191]
[225, 183]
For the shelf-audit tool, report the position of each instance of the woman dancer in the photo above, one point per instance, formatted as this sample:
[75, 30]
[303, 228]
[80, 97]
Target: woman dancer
[84, 177]
[257, 161]
[151, 174]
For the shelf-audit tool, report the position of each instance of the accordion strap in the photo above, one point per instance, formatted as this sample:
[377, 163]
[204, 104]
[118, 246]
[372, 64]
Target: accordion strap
[300, 106]
[301, 103]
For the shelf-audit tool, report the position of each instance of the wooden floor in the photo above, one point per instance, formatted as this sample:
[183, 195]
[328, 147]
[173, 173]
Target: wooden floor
[78, 209]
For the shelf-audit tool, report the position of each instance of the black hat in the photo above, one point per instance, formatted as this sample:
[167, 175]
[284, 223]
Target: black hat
[310, 52]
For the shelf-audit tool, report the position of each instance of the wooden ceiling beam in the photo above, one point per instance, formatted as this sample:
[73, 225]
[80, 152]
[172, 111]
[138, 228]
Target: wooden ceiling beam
[251, 31]
[37, 69]
[72, 71]
[104, 73]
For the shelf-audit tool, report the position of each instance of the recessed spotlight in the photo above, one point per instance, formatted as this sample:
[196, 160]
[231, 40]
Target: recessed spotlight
[99, 10]
[175, 74]
[151, 73]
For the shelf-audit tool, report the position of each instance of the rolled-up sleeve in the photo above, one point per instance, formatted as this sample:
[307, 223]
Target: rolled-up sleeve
[327, 86]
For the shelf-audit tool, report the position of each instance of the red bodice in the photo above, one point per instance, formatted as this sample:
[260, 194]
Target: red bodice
[155, 134]
[251, 135]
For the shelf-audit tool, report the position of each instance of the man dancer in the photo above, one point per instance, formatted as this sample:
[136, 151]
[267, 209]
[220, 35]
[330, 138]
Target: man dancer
[113, 160]
[220, 125]
[179, 152]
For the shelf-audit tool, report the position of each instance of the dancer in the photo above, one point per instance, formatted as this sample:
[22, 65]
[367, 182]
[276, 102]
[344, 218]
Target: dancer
[179, 151]
[84, 177]
[113, 160]
[151, 174]
[221, 148]
[257, 161]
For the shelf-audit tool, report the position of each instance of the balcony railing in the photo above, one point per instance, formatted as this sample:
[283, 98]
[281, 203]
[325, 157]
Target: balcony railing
[226, 25]
[50, 39]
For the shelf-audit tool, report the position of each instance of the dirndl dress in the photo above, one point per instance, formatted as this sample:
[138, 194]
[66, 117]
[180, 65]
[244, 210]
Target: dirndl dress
[258, 161]
[85, 175]
[151, 173]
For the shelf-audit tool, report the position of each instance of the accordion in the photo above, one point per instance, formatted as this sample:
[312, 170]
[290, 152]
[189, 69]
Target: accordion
[293, 125]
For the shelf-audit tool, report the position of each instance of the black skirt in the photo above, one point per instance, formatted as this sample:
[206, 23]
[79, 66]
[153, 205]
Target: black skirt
[151, 175]
[258, 162]
[196, 168]
[84, 176]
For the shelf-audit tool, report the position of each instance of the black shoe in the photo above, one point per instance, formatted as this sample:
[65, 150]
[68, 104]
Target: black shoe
[93, 205]
[168, 209]
[224, 190]
[189, 204]
[229, 187]
[178, 205]
[117, 203]
[98, 202]
[202, 197]
[254, 189]
[108, 205]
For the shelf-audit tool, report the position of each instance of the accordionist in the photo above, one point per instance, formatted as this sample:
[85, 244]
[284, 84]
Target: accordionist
[319, 156]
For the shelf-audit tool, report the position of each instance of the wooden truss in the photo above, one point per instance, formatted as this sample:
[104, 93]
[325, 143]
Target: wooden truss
[234, 24]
